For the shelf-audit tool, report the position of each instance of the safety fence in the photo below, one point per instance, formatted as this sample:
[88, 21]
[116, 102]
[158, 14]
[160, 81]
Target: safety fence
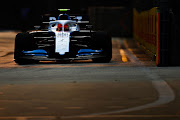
[145, 28]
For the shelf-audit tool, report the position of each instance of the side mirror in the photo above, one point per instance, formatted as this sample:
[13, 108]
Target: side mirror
[37, 27]
[76, 20]
[72, 28]
[89, 26]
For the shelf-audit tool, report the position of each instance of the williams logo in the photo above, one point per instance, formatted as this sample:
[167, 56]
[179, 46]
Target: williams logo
[62, 34]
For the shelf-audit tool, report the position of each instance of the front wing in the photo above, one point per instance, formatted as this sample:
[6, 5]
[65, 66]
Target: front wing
[78, 46]
[43, 55]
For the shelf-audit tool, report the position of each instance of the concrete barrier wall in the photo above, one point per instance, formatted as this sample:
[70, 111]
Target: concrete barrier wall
[144, 28]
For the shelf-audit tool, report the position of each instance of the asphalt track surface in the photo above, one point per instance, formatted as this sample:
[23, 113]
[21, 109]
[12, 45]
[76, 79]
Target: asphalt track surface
[130, 87]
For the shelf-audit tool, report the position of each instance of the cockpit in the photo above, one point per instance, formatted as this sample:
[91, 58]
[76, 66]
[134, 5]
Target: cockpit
[64, 17]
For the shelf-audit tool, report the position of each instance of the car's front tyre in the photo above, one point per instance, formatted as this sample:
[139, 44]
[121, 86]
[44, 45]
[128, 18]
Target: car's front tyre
[103, 40]
[23, 41]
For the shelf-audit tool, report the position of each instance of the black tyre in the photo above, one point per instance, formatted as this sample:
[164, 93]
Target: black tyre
[23, 41]
[103, 41]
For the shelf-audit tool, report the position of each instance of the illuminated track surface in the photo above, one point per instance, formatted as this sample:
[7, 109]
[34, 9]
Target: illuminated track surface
[128, 88]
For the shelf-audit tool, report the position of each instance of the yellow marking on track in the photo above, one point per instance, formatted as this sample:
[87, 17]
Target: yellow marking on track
[122, 53]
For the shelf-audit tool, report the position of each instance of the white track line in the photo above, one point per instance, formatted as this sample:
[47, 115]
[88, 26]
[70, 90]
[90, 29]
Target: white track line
[165, 92]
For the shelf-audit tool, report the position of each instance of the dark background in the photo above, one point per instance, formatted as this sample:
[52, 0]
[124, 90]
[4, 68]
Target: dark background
[114, 16]
[12, 12]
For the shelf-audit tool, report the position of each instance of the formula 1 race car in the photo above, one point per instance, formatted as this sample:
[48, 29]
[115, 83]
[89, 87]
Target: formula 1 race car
[65, 38]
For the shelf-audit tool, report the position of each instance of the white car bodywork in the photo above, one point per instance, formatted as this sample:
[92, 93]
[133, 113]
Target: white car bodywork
[62, 38]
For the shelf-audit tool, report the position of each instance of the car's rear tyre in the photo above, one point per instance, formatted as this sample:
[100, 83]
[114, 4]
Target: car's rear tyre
[23, 41]
[103, 40]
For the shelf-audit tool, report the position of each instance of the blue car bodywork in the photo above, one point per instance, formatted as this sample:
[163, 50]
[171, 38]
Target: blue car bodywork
[41, 54]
